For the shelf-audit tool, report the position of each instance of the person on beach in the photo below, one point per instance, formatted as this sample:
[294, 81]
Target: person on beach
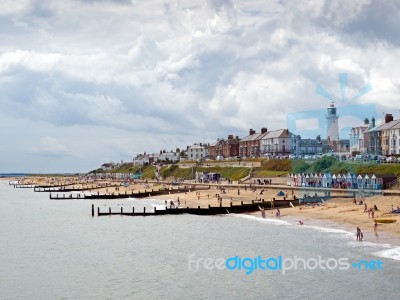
[365, 207]
[375, 226]
[372, 213]
[358, 233]
[263, 212]
[361, 236]
[301, 222]
[278, 212]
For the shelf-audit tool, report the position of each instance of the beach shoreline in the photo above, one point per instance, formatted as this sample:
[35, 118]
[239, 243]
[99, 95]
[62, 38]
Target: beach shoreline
[341, 211]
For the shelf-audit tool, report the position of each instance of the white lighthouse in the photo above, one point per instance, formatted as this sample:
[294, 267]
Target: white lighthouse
[332, 124]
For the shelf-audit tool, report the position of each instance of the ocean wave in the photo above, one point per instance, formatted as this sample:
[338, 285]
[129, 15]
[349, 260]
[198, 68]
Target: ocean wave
[364, 244]
[330, 230]
[393, 253]
[266, 220]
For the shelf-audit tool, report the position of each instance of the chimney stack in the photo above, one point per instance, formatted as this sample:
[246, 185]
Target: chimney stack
[230, 137]
[388, 118]
[264, 130]
[373, 122]
[252, 131]
[366, 121]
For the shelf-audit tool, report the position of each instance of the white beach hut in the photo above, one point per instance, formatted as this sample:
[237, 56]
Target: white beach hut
[373, 182]
[359, 181]
[366, 181]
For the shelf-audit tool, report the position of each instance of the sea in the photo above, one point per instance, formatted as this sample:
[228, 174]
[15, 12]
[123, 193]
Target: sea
[55, 249]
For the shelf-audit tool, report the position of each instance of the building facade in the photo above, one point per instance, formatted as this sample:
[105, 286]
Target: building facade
[359, 140]
[197, 151]
[280, 142]
[250, 146]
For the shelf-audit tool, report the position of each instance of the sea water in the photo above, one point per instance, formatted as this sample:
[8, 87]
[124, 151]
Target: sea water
[55, 249]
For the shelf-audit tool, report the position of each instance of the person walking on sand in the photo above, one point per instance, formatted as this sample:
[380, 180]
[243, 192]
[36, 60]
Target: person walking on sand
[263, 212]
[372, 213]
[365, 207]
[375, 226]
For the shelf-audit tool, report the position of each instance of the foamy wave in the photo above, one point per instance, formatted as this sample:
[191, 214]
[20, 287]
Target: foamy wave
[266, 220]
[330, 230]
[363, 244]
[393, 253]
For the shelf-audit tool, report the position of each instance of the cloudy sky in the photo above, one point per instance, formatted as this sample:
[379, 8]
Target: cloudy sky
[91, 81]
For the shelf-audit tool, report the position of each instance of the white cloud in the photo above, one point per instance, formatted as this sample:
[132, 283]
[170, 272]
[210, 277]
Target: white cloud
[50, 147]
[166, 74]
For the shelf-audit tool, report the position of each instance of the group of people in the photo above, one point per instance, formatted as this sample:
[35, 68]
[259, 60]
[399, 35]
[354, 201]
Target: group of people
[278, 212]
[172, 204]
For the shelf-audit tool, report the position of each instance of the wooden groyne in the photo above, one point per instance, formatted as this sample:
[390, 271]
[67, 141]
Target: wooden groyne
[146, 193]
[63, 189]
[71, 188]
[205, 211]
[23, 186]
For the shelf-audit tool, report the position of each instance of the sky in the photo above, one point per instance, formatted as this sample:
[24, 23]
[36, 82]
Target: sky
[84, 82]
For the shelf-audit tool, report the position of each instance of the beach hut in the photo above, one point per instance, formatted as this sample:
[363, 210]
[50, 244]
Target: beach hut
[366, 182]
[354, 181]
[319, 180]
[334, 179]
[307, 180]
[325, 180]
[289, 179]
[359, 181]
[349, 181]
[303, 180]
[295, 180]
[373, 182]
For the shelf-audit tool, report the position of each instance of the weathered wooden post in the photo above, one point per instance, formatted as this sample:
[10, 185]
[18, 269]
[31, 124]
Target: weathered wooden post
[252, 201]
[231, 204]
[238, 191]
[109, 210]
[121, 210]
[144, 210]
[241, 202]
[98, 211]
[198, 207]
[92, 210]
[155, 210]
[209, 206]
[133, 210]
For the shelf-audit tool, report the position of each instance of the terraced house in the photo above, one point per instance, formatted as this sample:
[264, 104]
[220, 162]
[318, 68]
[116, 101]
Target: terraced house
[250, 146]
